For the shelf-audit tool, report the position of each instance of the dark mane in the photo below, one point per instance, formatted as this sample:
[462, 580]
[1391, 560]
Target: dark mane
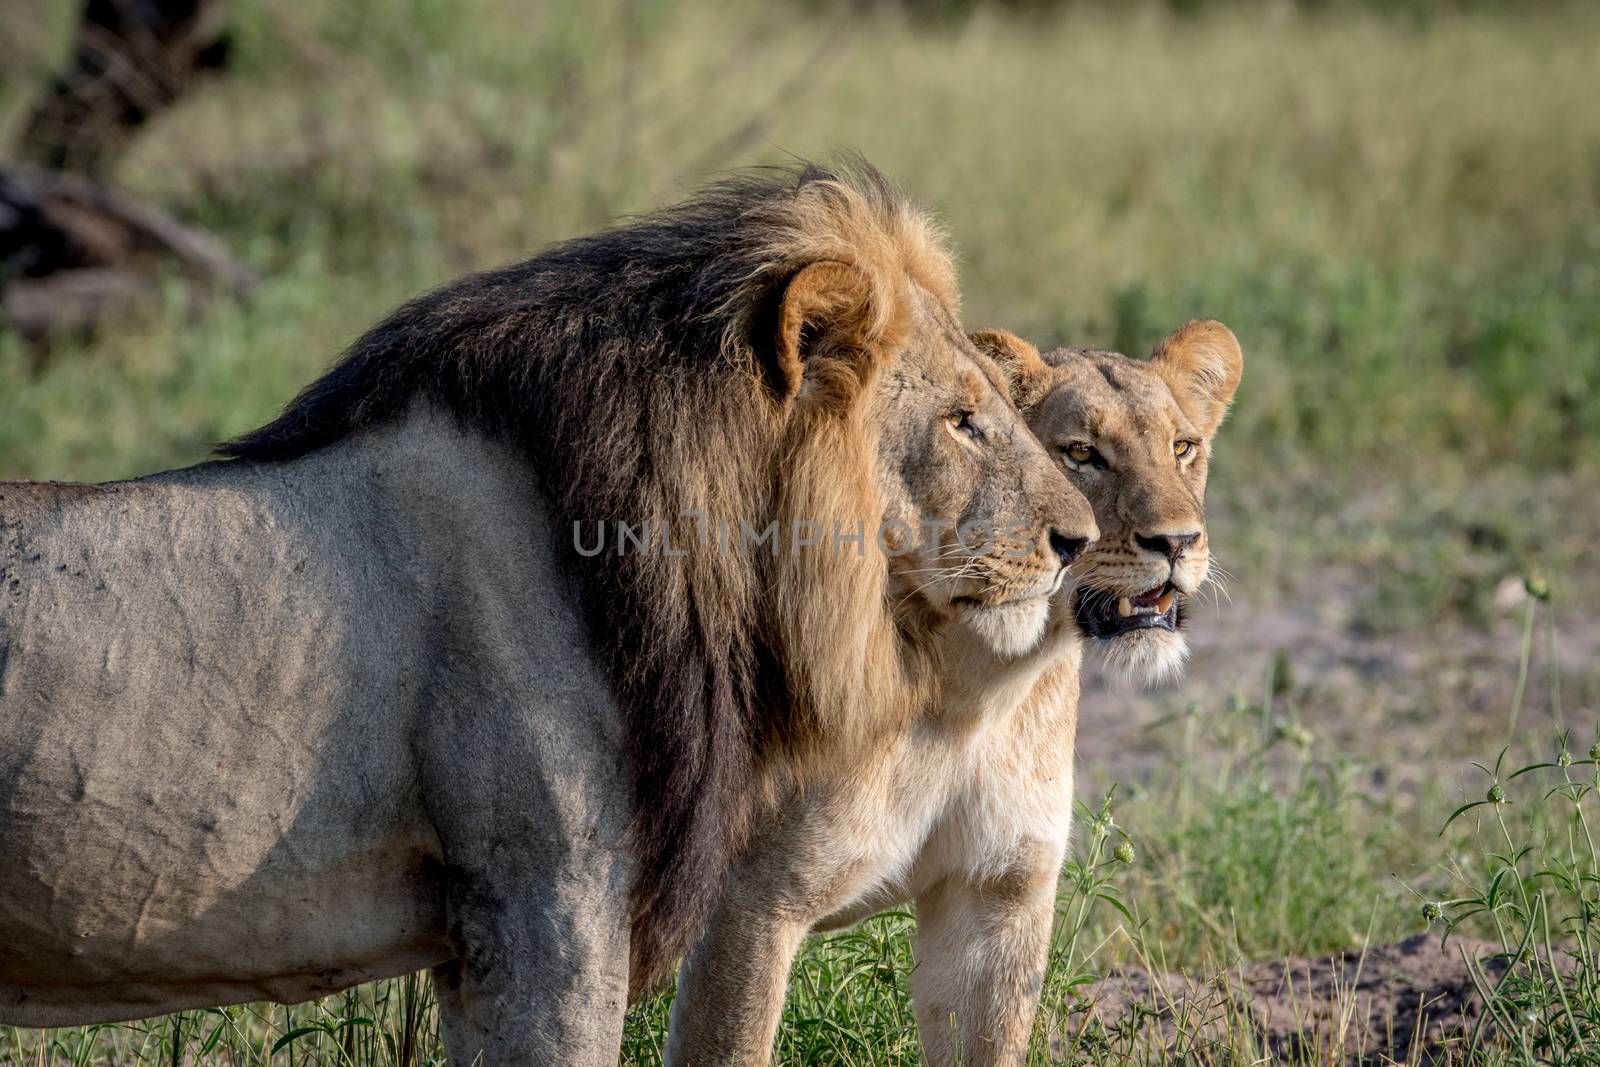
[635, 369]
[497, 348]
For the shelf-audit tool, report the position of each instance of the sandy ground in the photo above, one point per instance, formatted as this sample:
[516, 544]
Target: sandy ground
[1415, 705]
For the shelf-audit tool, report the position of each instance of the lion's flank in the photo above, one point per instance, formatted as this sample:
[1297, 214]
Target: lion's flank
[637, 369]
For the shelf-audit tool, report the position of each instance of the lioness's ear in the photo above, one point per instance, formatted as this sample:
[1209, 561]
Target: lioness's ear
[1201, 363]
[1025, 370]
[820, 299]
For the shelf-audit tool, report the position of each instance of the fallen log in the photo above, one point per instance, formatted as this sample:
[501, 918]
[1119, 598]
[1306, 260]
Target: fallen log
[73, 252]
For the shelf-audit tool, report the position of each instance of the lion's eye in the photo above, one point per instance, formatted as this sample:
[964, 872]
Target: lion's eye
[1078, 452]
[962, 421]
[1182, 449]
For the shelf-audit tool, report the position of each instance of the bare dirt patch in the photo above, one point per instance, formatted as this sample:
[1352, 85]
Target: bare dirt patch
[1410, 1002]
[1417, 704]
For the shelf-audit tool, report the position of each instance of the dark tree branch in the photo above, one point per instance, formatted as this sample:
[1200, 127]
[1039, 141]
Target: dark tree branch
[130, 60]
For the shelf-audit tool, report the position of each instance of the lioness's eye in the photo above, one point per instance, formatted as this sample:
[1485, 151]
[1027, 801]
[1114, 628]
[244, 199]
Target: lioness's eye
[1181, 449]
[1079, 452]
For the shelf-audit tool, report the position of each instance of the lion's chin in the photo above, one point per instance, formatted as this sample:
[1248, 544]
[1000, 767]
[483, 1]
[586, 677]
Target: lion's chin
[1148, 658]
[1010, 630]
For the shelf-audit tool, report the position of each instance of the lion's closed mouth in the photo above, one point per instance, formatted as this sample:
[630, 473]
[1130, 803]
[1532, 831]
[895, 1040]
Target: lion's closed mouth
[1105, 615]
[992, 602]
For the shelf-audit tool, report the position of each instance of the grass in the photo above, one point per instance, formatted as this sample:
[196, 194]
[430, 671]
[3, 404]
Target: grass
[1398, 215]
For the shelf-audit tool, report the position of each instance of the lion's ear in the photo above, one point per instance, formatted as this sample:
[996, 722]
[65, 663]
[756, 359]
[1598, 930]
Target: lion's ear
[1025, 371]
[821, 300]
[1201, 362]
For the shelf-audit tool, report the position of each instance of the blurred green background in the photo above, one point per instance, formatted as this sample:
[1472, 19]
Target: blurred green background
[1395, 206]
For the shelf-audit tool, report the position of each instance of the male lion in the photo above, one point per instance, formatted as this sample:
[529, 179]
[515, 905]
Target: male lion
[966, 810]
[361, 701]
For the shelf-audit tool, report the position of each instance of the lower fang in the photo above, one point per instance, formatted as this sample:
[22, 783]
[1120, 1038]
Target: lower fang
[1124, 607]
[1164, 602]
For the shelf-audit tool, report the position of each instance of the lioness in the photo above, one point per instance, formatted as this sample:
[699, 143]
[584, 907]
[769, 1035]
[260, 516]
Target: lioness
[966, 811]
[366, 699]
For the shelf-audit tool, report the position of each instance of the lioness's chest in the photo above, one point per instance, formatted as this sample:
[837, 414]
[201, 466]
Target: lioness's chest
[961, 806]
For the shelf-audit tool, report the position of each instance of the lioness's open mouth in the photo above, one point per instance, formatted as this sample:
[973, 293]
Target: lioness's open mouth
[1105, 615]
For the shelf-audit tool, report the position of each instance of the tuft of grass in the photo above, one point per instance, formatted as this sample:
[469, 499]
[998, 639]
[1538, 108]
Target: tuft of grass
[384, 1024]
[1527, 876]
[1269, 851]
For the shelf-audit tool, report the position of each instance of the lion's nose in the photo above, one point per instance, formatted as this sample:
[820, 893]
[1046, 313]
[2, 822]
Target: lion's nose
[1170, 545]
[1068, 548]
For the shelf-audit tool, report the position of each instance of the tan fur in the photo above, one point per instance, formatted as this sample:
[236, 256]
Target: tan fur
[1132, 412]
[861, 665]
[1026, 370]
[967, 809]
[1202, 363]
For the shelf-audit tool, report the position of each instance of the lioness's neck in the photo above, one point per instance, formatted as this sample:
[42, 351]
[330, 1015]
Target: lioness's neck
[980, 689]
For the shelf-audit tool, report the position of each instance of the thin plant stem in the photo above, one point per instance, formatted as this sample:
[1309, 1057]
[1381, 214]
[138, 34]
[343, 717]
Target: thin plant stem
[1522, 669]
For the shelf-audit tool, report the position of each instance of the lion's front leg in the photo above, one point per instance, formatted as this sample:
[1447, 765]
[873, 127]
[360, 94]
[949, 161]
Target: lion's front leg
[731, 987]
[814, 861]
[981, 948]
[536, 877]
[540, 977]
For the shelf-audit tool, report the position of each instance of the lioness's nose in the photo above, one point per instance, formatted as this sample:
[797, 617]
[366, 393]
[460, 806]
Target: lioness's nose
[1068, 548]
[1170, 545]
